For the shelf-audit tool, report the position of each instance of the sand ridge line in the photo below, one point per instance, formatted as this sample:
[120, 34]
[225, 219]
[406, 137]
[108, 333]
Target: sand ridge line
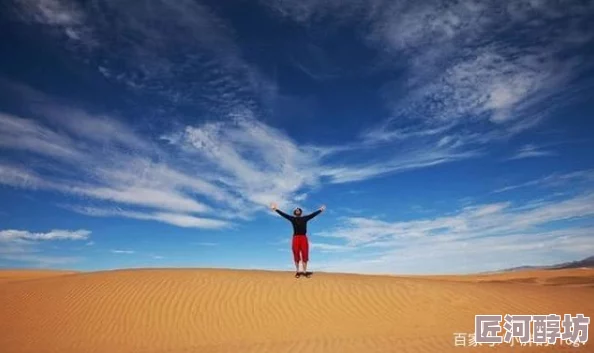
[7, 276]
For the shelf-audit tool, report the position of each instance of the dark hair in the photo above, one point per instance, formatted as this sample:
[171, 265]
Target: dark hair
[296, 211]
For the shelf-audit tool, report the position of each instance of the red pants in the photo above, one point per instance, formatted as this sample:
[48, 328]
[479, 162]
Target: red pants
[300, 248]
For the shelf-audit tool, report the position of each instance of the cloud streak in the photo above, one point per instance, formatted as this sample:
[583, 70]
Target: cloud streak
[249, 164]
[483, 220]
[65, 15]
[13, 234]
[487, 234]
[463, 89]
[578, 178]
[109, 163]
[157, 47]
[179, 220]
[459, 71]
[531, 151]
[123, 252]
[25, 246]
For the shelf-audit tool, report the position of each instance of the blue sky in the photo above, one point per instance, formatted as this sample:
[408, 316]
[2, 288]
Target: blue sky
[443, 136]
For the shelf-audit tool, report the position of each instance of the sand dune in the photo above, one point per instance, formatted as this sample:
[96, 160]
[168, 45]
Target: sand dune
[578, 277]
[188, 310]
[22, 275]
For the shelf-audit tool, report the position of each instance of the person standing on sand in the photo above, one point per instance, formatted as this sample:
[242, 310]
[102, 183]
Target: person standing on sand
[300, 243]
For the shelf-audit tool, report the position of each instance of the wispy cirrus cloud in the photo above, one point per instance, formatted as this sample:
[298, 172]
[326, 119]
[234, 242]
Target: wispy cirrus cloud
[144, 59]
[475, 221]
[253, 159]
[25, 246]
[27, 135]
[489, 235]
[493, 84]
[482, 254]
[331, 248]
[463, 89]
[118, 192]
[263, 163]
[14, 234]
[531, 151]
[247, 164]
[103, 159]
[421, 157]
[577, 178]
[155, 49]
[458, 70]
[65, 15]
[180, 220]
[204, 176]
[122, 252]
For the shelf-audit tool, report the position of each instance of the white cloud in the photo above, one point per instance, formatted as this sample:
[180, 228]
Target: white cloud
[484, 220]
[13, 234]
[422, 157]
[145, 197]
[429, 23]
[481, 254]
[474, 76]
[237, 165]
[164, 43]
[457, 70]
[110, 163]
[64, 14]
[262, 164]
[176, 219]
[257, 163]
[493, 91]
[126, 252]
[18, 177]
[491, 82]
[531, 151]
[324, 247]
[101, 130]
[26, 246]
[385, 133]
[482, 236]
[132, 193]
[27, 135]
[579, 177]
[249, 163]
[305, 11]
[187, 221]
[229, 169]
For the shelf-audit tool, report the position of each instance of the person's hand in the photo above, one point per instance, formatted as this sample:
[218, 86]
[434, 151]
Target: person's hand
[323, 208]
[273, 206]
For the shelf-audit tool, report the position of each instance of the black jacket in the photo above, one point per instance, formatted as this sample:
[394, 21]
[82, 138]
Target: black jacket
[299, 223]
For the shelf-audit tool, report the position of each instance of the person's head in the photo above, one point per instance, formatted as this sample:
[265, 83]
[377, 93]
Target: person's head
[297, 212]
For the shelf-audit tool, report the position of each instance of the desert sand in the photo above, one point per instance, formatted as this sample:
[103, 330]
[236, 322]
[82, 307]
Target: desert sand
[202, 310]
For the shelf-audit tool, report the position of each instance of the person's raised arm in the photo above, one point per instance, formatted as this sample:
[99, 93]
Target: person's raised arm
[284, 214]
[274, 208]
[312, 215]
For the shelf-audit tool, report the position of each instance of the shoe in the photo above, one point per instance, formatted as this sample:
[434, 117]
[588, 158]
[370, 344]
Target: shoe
[298, 274]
